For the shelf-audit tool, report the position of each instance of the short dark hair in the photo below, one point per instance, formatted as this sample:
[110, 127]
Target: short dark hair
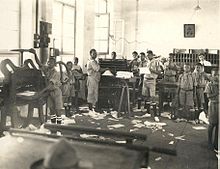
[150, 52]
[114, 53]
[135, 53]
[92, 50]
[142, 53]
[76, 58]
[69, 62]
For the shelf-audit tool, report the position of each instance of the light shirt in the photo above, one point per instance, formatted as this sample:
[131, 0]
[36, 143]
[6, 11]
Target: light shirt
[205, 63]
[93, 69]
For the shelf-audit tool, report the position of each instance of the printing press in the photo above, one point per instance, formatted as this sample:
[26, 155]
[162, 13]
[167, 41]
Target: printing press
[116, 92]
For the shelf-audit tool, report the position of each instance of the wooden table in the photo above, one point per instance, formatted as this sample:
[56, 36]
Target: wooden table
[21, 151]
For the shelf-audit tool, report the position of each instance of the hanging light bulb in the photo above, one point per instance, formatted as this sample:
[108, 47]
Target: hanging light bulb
[197, 8]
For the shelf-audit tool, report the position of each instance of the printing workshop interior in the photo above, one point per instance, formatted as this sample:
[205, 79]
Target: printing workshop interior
[109, 84]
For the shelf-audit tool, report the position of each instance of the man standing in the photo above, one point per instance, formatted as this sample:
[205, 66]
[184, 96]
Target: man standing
[93, 70]
[149, 83]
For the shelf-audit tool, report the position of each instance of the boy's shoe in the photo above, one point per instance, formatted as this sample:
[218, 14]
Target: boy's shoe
[53, 118]
[59, 120]
[90, 106]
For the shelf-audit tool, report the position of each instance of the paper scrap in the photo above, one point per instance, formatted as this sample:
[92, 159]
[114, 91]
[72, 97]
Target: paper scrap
[158, 159]
[170, 134]
[114, 114]
[139, 125]
[95, 115]
[113, 119]
[180, 137]
[171, 142]
[134, 129]
[166, 115]
[199, 127]
[202, 117]
[116, 126]
[121, 141]
[135, 121]
[145, 115]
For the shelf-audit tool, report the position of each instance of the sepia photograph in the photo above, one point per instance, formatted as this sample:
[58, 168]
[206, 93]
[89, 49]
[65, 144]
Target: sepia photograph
[109, 84]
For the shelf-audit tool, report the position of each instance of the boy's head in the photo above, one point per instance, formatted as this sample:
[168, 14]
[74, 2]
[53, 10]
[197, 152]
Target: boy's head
[135, 54]
[201, 56]
[51, 63]
[150, 54]
[76, 60]
[199, 67]
[142, 56]
[170, 57]
[186, 68]
[93, 53]
[113, 55]
[69, 65]
[215, 74]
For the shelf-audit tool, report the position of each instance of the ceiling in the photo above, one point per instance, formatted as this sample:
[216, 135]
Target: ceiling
[166, 5]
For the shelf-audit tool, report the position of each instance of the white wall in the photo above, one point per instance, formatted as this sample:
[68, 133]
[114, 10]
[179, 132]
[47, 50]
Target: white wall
[160, 26]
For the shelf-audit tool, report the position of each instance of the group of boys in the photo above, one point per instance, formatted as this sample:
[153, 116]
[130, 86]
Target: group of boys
[191, 87]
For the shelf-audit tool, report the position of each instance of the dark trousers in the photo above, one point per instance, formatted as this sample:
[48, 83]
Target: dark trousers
[211, 142]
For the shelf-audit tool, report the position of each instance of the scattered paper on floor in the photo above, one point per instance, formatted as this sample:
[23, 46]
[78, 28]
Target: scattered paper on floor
[199, 127]
[202, 117]
[139, 125]
[95, 115]
[113, 119]
[166, 115]
[171, 142]
[170, 134]
[114, 114]
[135, 121]
[116, 126]
[158, 159]
[134, 129]
[180, 137]
[143, 116]
[121, 141]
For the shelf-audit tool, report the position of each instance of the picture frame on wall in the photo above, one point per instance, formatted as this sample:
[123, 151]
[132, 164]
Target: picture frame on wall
[189, 30]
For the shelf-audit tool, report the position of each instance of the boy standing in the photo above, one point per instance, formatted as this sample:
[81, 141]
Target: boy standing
[186, 92]
[170, 69]
[201, 79]
[55, 102]
[93, 70]
[212, 91]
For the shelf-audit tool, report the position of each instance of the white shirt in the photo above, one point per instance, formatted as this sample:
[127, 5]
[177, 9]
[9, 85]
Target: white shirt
[206, 63]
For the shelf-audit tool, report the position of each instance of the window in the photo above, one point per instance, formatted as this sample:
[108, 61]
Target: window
[63, 27]
[102, 24]
[118, 38]
[10, 24]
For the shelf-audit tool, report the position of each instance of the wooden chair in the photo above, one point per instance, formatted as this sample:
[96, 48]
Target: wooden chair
[21, 88]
